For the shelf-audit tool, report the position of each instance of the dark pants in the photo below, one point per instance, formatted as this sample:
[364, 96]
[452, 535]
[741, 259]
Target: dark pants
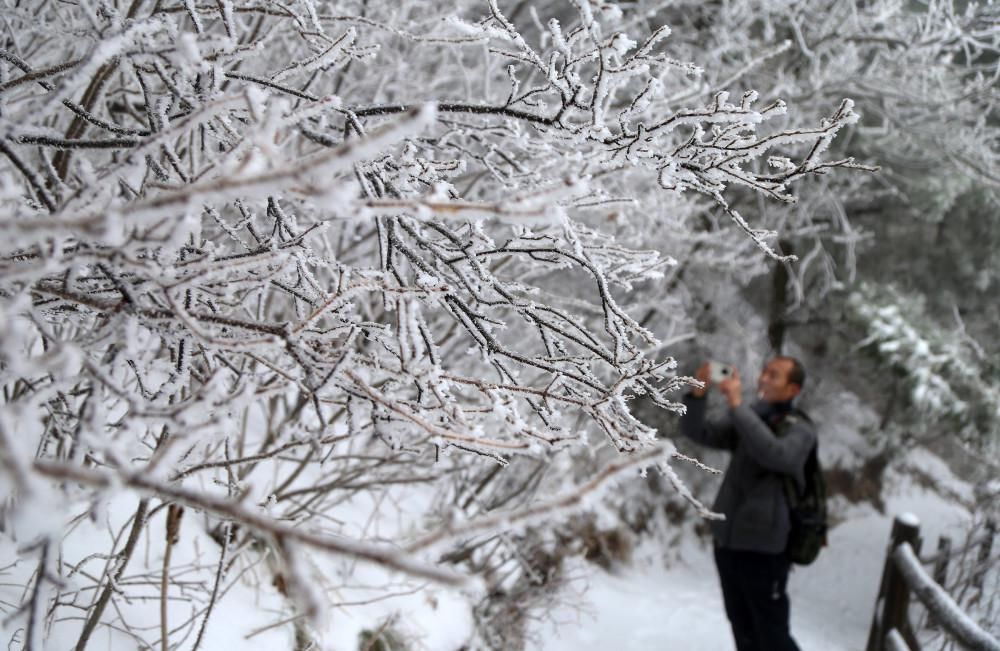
[753, 588]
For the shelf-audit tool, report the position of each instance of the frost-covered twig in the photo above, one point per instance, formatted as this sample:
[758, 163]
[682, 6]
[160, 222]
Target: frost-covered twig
[236, 512]
[223, 548]
[115, 574]
[573, 500]
[258, 261]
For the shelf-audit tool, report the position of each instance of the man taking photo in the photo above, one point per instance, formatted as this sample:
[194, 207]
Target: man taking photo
[769, 441]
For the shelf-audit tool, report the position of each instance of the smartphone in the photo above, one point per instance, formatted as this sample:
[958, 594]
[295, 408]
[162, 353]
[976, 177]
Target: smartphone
[717, 372]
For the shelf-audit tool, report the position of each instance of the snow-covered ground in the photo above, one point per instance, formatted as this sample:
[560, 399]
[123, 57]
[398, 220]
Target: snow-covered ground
[667, 598]
[654, 604]
[649, 606]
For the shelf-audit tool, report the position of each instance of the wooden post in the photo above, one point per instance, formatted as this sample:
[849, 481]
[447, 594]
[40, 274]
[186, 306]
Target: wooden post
[984, 555]
[941, 562]
[940, 570]
[893, 595]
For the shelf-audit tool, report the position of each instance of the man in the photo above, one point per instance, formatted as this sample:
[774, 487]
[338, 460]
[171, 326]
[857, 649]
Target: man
[750, 542]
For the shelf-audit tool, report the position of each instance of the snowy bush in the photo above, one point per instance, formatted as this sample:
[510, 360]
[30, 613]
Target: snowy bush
[948, 383]
[296, 297]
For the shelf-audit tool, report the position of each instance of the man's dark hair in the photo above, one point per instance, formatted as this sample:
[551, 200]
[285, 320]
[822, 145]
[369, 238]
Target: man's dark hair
[796, 374]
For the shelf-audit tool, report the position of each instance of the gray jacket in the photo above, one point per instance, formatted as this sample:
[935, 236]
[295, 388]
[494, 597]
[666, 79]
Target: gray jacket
[752, 495]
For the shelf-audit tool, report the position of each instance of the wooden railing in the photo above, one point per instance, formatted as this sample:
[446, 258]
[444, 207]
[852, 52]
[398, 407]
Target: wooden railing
[904, 575]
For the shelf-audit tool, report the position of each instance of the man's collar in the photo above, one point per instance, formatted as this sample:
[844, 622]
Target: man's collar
[772, 412]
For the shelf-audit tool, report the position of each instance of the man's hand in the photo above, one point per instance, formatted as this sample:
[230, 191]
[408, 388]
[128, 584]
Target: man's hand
[732, 388]
[702, 375]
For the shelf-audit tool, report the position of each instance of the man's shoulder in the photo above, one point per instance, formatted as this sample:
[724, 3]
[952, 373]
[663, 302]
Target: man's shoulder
[796, 419]
[798, 415]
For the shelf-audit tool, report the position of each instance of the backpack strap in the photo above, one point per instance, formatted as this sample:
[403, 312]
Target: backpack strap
[790, 419]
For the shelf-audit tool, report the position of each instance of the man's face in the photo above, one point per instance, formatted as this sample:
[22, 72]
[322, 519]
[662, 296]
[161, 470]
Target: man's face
[773, 384]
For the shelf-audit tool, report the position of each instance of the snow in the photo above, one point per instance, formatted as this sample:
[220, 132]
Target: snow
[643, 608]
[229, 626]
[677, 603]
[224, 181]
[667, 598]
[679, 606]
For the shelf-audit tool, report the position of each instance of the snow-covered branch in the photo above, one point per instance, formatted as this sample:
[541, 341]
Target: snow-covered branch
[274, 262]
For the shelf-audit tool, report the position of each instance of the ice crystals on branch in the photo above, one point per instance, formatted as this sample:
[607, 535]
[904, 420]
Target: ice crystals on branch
[249, 248]
[937, 372]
